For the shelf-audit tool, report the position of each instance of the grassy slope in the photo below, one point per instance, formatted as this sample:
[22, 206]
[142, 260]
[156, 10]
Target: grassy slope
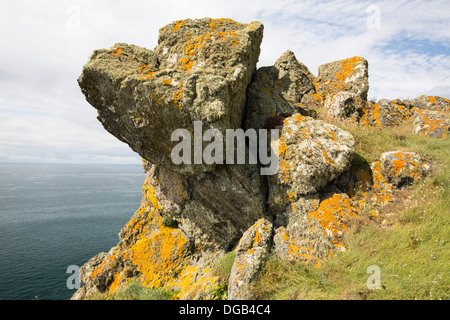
[414, 258]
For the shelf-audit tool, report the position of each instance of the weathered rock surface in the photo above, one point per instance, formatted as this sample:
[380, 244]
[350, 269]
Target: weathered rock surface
[344, 85]
[251, 252]
[315, 227]
[432, 116]
[386, 113]
[199, 71]
[311, 153]
[276, 92]
[401, 168]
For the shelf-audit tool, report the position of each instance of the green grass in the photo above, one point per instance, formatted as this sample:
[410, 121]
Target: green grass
[414, 258]
[222, 269]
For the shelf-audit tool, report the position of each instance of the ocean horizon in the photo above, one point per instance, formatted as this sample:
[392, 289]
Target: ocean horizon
[53, 216]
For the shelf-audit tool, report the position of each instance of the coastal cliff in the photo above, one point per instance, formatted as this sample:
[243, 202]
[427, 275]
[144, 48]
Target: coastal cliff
[194, 214]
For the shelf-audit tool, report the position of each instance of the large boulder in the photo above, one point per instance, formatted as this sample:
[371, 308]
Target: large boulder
[344, 85]
[311, 153]
[198, 72]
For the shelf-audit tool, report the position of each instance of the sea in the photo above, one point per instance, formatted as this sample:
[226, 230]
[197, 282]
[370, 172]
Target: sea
[54, 218]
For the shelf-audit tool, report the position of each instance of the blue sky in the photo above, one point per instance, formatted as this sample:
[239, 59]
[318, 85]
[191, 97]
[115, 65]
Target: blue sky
[45, 118]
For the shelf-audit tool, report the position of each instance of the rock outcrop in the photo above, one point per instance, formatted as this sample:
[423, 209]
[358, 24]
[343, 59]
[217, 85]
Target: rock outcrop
[193, 213]
[199, 71]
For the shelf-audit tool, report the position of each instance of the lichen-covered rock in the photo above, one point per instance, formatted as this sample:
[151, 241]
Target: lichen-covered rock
[434, 103]
[341, 105]
[386, 113]
[198, 72]
[349, 76]
[431, 125]
[311, 154]
[314, 229]
[208, 214]
[275, 92]
[223, 205]
[432, 116]
[157, 255]
[400, 168]
[251, 252]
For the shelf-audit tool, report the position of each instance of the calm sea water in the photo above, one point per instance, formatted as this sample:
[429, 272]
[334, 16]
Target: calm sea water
[54, 216]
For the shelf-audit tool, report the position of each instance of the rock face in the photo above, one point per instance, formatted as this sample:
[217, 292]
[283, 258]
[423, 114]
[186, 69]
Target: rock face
[199, 71]
[183, 225]
[193, 213]
[276, 92]
[314, 229]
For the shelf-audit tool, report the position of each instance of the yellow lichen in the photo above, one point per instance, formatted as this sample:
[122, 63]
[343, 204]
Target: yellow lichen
[186, 64]
[117, 52]
[178, 25]
[177, 97]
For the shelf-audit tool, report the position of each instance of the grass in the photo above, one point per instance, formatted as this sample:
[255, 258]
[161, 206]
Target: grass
[414, 258]
[222, 269]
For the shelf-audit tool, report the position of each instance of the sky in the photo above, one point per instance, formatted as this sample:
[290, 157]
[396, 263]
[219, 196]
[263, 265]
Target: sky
[44, 117]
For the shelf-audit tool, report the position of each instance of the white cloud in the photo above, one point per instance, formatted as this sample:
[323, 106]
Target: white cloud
[44, 116]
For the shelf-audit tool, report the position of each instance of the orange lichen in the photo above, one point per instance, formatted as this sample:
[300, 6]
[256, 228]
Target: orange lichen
[158, 253]
[177, 97]
[149, 194]
[178, 25]
[282, 148]
[347, 68]
[193, 45]
[432, 99]
[145, 72]
[317, 96]
[216, 22]
[167, 82]
[186, 64]
[155, 97]
[333, 213]
[117, 52]
[285, 168]
[103, 266]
